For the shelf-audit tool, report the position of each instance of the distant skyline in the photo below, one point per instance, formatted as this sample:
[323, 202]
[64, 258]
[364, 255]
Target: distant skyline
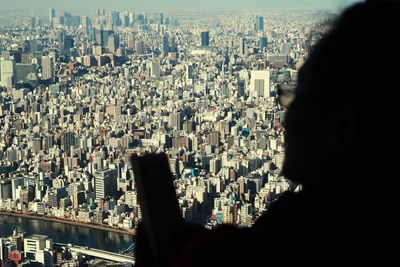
[169, 5]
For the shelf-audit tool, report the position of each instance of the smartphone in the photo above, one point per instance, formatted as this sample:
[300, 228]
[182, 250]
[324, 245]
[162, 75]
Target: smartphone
[162, 220]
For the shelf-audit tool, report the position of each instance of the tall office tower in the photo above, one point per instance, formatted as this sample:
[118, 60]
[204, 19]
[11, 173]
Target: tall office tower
[243, 47]
[86, 23]
[139, 47]
[33, 23]
[7, 72]
[263, 42]
[68, 141]
[5, 189]
[205, 39]
[105, 184]
[92, 36]
[131, 40]
[48, 68]
[175, 120]
[99, 37]
[165, 45]
[240, 89]
[115, 19]
[113, 42]
[259, 24]
[153, 69]
[68, 43]
[161, 18]
[60, 39]
[52, 14]
[98, 12]
[190, 72]
[259, 83]
[39, 249]
[126, 20]
[105, 35]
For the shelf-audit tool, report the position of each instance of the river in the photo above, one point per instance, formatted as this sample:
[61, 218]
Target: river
[65, 233]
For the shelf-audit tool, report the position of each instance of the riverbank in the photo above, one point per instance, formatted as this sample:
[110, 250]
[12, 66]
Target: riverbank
[70, 222]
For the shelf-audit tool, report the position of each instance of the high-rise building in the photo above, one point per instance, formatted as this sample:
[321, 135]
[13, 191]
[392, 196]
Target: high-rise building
[161, 18]
[86, 23]
[68, 44]
[263, 42]
[165, 47]
[68, 141]
[243, 47]
[139, 47]
[259, 27]
[60, 39]
[259, 83]
[190, 72]
[115, 19]
[52, 14]
[47, 68]
[175, 120]
[33, 23]
[7, 72]
[205, 39]
[153, 69]
[5, 189]
[131, 40]
[113, 42]
[105, 184]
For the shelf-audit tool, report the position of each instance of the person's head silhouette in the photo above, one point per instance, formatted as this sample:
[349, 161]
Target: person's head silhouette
[344, 102]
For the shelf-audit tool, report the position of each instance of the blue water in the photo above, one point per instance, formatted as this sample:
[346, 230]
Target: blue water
[64, 233]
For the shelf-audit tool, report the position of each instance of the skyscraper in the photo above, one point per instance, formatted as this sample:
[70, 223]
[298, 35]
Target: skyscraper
[113, 42]
[139, 47]
[205, 39]
[259, 24]
[165, 48]
[263, 42]
[33, 23]
[68, 43]
[52, 14]
[47, 68]
[86, 23]
[105, 184]
[243, 47]
[175, 120]
[154, 69]
[131, 40]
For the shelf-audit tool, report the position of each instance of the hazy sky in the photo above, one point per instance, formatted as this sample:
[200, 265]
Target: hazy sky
[169, 4]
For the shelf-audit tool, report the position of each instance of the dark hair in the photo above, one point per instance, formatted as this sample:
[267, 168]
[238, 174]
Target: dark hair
[345, 100]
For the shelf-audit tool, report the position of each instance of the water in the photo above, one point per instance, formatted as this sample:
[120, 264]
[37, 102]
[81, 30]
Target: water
[65, 233]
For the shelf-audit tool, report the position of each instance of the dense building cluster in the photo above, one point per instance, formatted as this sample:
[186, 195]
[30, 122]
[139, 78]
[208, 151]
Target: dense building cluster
[79, 94]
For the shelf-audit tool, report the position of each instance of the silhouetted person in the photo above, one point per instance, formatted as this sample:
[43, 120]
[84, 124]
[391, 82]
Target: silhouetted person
[341, 144]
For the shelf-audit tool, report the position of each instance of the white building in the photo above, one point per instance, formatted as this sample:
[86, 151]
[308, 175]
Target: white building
[7, 72]
[260, 83]
[38, 248]
[47, 68]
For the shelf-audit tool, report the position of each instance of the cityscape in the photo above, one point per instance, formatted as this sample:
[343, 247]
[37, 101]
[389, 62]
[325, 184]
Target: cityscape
[81, 92]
